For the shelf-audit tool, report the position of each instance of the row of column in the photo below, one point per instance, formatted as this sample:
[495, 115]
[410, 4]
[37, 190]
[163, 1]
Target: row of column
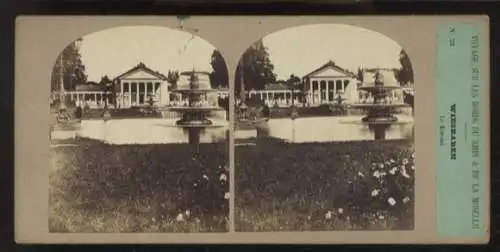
[86, 96]
[148, 86]
[318, 95]
[272, 94]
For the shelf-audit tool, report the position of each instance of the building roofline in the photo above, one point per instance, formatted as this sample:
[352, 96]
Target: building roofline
[327, 65]
[141, 66]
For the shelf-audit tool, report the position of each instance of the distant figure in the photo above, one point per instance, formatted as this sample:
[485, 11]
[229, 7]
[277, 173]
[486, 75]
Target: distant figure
[265, 111]
[410, 100]
[78, 112]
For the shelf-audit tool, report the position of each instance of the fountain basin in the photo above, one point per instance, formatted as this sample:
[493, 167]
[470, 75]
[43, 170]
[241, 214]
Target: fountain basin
[379, 120]
[379, 105]
[146, 131]
[326, 129]
[193, 123]
[194, 109]
[193, 91]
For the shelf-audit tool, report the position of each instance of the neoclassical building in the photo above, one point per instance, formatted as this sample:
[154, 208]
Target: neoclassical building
[138, 85]
[325, 83]
[320, 86]
[134, 88]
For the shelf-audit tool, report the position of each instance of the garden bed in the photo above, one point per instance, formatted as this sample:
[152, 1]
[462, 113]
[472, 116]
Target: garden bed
[324, 186]
[95, 187]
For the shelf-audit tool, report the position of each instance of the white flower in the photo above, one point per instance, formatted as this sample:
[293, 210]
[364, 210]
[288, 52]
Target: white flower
[392, 161]
[188, 213]
[405, 161]
[406, 200]
[413, 167]
[361, 174]
[223, 177]
[383, 174]
[393, 170]
[195, 185]
[205, 177]
[375, 192]
[328, 215]
[413, 155]
[381, 217]
[227, 195]
[341, 210]
[391, 201]
[403, 172]
[180, 217]
[376, 174]
[381, 165]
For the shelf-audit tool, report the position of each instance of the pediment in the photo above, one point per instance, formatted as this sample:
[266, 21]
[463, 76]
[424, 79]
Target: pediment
[329, 72]
[139, 74]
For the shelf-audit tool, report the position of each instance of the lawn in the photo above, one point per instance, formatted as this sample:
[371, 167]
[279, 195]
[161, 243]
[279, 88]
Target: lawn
[95, 187]
[363, 185]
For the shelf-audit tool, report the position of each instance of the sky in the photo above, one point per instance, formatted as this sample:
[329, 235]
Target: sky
[300, 50]
[114, 51]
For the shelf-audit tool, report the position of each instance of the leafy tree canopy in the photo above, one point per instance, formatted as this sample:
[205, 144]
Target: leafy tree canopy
[255, 68]
[173, 77]
[219, 75]
[72, 66]
[404, 75]
[105, 80]
[294, 82]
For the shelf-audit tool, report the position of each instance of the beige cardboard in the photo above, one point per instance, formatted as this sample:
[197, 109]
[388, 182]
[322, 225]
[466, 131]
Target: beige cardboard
[40, 39]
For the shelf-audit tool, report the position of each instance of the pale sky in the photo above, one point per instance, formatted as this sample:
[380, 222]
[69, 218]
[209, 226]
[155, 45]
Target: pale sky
[300, 50]
[113, 51]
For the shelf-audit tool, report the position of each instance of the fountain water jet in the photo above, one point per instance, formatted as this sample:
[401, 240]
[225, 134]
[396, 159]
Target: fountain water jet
[195, 85]
[380, 108]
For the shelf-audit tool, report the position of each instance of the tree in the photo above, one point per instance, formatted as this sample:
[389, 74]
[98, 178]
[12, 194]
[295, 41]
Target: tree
[219, 75]
[105, 80]
[72, 66]
[293, 83]
[360, 74]
[173, 77]
[255, 69]
[107, 83]
[405, 74]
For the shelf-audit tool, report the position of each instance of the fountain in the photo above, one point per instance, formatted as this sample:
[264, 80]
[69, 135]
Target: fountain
[379, 105]
[195, 85]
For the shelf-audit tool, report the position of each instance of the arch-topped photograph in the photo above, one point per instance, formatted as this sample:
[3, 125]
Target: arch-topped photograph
[128, 152]
[324, 131]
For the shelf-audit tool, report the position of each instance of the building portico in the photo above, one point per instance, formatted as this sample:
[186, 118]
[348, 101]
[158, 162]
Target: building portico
[325, 84]
[140, 84]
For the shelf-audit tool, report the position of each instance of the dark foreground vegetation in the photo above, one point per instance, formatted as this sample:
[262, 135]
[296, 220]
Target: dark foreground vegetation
[95, 187]
[365, 185]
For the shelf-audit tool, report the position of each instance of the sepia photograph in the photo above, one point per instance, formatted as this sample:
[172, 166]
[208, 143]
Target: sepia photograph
[139, 133]
[324, 132]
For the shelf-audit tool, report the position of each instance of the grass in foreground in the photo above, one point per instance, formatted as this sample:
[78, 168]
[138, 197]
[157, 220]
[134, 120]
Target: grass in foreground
[95, 187]
[362, 185]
